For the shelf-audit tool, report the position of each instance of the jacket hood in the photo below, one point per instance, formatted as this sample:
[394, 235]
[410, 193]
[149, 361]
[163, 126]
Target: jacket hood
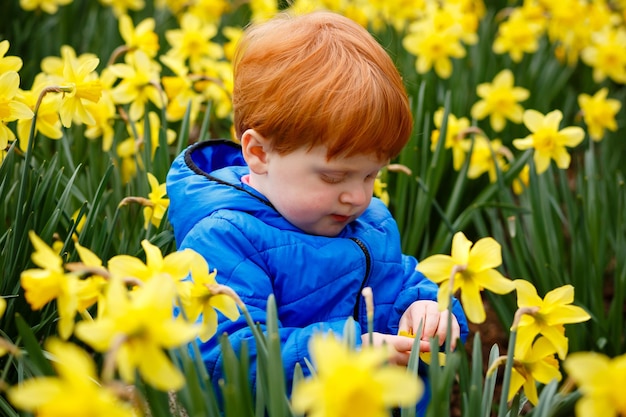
[205, 178]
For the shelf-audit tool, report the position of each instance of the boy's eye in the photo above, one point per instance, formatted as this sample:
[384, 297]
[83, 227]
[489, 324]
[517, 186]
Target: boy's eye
[330, 179]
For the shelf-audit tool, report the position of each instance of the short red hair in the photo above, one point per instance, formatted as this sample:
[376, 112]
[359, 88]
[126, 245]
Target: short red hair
[320, 79]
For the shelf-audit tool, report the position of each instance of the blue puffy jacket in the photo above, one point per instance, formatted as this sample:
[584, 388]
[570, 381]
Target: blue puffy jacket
[316, 280]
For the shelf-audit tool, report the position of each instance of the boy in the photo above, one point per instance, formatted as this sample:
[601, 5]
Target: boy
[319, 109]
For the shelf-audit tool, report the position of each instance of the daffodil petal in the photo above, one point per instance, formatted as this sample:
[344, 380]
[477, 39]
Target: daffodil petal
[460, 248]
[158, 371]
[473, 303]
[437, 268]
[485, 254]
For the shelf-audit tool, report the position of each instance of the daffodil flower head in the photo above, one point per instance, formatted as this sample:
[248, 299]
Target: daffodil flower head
[599, 113]
[136, 328]
[10, 108]
[380, 190]
[426, 357]
[8, 63]
[517, 36]
[3, 307]
[547, 140]
[554, 311]
[350, 382]
[49, 282]
[203, 296]
[141, 37]
[537, 364]
[455, 136]
[174, 266]
[434, 46]
[158, 197]
[499, 101]
[600, 380]
[72, 392]
[470, 268]
[81, 82]
[606, 54]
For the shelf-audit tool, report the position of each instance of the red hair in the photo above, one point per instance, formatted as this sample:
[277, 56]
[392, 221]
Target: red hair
[320, 79]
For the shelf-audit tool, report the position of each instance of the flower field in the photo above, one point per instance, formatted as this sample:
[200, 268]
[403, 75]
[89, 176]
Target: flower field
[511, 192]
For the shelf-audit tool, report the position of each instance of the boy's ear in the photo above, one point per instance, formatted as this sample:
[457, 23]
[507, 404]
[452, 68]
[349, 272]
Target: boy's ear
[255, 150]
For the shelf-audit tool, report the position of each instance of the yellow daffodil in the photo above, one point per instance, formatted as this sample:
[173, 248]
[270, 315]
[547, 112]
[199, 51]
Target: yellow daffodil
[233, 34]
[380, 190]
[3, 342]
[174, 266]
[74, 392]
[517, 36]
[474, 270]
[567, 30]
[599, 112]
[192, 42]
[210, 11]
[141, 37]
[8, 63]
[103, 112]
[54, 65]
[455, 136]
[607, 55]
[136, 327]
[263, 10]
[426, 357]
[434, 46]
[48, 121]
[91, 289]
[158, 196]
[202, 296]
[500, 101]
[600, 380]
[51, 282]
[84, 85]
[521, 182]
[180, 91]
[48, 6]
[121, 7]
[486, 157]
[10, 108]
[555, 310]
[217, 86]
[547, 140]
[139, 83]
[537, 364]
[128, 153]
[353, 383]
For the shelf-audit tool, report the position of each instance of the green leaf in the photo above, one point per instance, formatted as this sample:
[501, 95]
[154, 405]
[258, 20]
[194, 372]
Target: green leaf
[40, 364]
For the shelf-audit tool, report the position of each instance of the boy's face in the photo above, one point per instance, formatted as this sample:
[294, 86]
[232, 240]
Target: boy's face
[319, 196]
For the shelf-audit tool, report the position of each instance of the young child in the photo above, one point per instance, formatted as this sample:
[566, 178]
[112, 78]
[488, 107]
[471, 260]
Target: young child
[319, 109]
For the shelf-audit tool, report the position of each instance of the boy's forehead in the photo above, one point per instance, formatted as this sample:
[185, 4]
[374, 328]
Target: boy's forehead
[347, 163]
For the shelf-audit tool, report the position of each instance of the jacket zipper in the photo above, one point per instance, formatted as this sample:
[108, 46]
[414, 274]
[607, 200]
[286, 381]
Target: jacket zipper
[368, 266]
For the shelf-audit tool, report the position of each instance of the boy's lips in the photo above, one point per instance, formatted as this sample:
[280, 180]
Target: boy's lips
[340, 218]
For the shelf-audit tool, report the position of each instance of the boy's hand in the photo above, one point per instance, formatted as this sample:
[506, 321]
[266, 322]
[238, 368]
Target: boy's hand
[435, 322]
[399, 346]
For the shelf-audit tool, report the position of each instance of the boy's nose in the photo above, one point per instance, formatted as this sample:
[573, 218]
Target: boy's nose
[355, 196]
